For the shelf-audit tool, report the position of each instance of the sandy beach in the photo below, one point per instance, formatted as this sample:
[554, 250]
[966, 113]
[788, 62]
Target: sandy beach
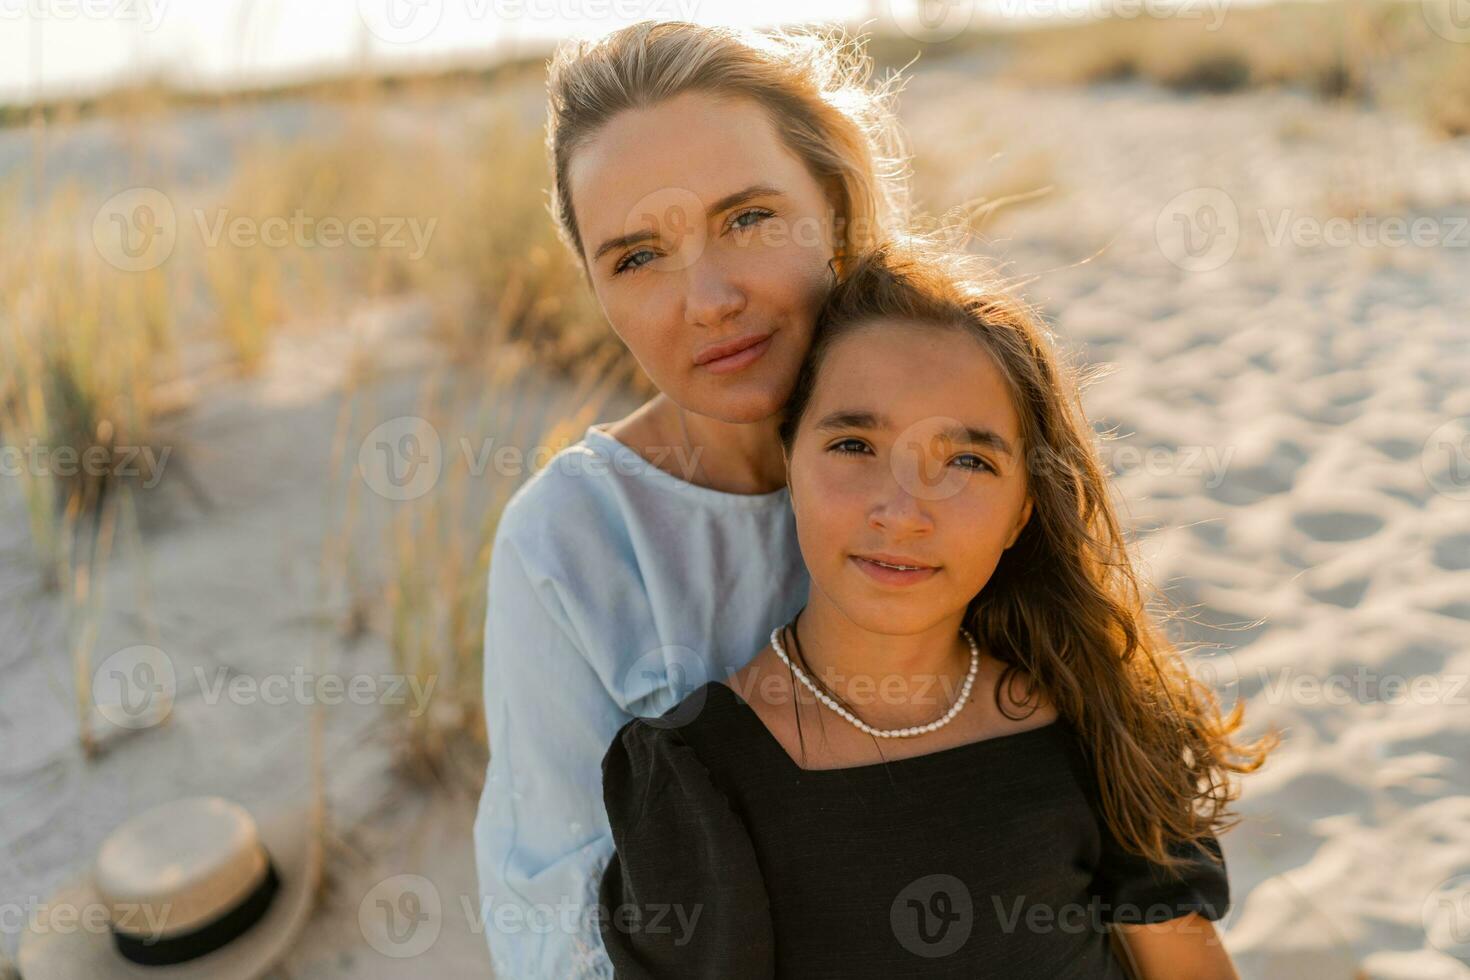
[1287, 379]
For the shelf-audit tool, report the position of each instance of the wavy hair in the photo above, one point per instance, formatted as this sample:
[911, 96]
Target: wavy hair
[1064, 609]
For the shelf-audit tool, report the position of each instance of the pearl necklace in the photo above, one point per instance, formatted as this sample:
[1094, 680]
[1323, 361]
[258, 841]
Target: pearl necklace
[878, 732]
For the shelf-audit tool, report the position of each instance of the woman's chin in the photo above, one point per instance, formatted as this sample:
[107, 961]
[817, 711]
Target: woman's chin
[755, 400]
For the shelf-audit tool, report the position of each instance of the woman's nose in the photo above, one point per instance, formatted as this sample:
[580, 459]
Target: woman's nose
[711, 298]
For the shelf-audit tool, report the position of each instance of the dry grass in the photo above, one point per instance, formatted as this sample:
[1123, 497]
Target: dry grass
[81, 347]
[969, 186]
[440, 544]
[86, 347]
[468, 206]
[1367, 50]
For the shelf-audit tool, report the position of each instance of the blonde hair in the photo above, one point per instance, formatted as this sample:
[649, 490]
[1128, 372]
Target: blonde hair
[814, 83]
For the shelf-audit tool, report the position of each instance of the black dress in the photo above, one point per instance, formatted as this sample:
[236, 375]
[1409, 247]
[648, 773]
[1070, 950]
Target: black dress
[988, 859]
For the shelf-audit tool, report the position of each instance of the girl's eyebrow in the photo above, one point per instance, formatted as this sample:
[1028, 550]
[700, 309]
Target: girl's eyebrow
[864, 419]
[723, 204]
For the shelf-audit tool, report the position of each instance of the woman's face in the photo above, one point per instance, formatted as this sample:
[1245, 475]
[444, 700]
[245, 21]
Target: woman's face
[699, 228]
[909, 449]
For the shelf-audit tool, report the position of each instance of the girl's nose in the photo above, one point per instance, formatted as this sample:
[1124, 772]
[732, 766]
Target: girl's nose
[900, 512]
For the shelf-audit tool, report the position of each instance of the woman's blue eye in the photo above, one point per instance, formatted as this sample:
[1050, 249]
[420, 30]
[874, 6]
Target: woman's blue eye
[626, 262]
[630, 261]
[759, 213]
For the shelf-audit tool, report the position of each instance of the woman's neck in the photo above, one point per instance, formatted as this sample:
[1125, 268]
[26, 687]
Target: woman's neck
[886, 680]
[732, 457]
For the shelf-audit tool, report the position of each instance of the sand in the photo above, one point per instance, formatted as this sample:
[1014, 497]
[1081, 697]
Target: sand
[1289, 455]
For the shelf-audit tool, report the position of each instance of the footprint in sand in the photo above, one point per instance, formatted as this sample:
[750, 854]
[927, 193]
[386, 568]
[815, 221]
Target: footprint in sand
[1397, 449]
[1337, 525]
[1246, 484]
[1346, 594]
[1455, 610]
[1453, 553]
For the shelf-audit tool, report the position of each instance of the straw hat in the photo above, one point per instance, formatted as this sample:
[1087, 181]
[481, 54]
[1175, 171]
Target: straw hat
[192, 888]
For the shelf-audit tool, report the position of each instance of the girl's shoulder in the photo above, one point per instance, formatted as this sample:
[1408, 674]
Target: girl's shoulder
[694, 732]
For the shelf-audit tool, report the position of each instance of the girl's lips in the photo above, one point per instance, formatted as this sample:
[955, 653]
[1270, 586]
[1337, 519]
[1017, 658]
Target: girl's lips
[892, 576]
[738, 360]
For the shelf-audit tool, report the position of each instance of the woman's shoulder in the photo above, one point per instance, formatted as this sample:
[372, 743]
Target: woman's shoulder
[571, 514]
[568, 482]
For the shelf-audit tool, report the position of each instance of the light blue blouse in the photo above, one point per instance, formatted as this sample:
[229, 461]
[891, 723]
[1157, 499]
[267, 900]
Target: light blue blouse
[615, 589]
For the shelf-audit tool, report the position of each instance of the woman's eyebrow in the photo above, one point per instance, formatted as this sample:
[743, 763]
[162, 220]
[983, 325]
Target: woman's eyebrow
[723, 204]
[863, 419]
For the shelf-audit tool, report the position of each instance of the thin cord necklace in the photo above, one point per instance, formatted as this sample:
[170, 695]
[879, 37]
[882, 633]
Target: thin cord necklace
[831, 702]
[688, 446]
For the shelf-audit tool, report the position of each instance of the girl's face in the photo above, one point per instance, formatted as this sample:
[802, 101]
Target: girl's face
[909, 451]
[700, 228]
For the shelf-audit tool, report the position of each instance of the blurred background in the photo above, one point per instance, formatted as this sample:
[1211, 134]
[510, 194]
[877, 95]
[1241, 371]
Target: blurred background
[284, 322]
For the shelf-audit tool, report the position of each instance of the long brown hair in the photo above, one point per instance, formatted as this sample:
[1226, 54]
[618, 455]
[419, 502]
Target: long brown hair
[1064, 609]
[814, 82]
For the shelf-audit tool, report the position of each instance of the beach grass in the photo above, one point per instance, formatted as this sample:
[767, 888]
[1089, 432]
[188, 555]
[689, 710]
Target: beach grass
[1362, 51]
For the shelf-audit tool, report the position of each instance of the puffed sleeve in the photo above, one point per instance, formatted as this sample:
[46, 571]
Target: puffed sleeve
[1136, 891]
[683, 896]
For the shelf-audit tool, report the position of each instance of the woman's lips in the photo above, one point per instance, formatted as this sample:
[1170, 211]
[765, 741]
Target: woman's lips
[739, 359]
[892, 576]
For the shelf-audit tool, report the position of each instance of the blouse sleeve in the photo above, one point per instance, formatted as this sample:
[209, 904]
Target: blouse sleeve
[1136, 891]
[683, 895]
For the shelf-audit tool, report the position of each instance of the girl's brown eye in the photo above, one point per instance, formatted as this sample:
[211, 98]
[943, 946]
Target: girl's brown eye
[835, 447]
[980, 464]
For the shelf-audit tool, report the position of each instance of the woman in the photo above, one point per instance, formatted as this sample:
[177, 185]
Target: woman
[711, 182]
[971, 751]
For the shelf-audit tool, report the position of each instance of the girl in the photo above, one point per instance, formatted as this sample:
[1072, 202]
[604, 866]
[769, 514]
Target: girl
[971, 750]
[710, 182]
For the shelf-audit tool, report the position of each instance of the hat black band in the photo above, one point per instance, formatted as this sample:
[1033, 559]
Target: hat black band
[207, 938]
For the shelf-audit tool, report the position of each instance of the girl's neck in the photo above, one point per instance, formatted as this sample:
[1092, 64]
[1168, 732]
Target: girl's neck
[886, 680]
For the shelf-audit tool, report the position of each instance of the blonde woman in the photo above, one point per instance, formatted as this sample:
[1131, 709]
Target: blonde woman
[711, 182]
